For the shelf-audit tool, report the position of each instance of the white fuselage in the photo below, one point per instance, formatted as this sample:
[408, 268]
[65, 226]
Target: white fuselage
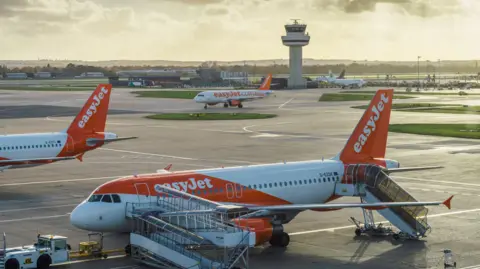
[295, 183]
[32, 146]
[224, 96]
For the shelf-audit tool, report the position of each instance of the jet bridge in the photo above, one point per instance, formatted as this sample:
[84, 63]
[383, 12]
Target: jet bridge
[373, 185]
[180, 230]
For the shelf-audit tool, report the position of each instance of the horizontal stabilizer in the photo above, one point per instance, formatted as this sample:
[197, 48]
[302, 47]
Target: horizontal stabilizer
[408, 169]
[105, 141]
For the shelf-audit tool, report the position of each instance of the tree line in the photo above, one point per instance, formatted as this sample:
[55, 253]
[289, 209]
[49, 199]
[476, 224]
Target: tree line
[351, 69]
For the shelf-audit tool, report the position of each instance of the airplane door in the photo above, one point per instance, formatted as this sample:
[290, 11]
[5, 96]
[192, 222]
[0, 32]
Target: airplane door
[238, 191]
[230, 191]
[143, 192]
[69, 144]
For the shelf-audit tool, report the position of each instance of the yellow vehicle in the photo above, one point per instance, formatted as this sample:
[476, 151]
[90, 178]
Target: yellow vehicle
[93, 247]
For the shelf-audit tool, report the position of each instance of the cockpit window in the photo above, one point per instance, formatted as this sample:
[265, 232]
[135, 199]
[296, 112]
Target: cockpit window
[116, 198]
[95, 198]
[200, 95]
[107, 198]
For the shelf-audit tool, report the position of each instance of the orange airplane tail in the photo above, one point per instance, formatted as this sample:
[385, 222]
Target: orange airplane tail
[93, 116]
[266, 83]
[369, 138]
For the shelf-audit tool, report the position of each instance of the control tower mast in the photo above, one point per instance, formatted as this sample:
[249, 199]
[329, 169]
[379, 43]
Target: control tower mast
[296, 38]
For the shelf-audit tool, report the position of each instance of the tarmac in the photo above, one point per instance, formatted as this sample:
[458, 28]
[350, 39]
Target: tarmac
[40, 199]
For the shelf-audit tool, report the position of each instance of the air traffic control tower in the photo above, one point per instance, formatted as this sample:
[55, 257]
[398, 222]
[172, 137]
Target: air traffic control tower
[296, 38]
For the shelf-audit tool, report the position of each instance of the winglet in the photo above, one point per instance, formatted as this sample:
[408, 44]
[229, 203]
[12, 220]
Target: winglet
[447, 202]
[80, 157]
[167, 168]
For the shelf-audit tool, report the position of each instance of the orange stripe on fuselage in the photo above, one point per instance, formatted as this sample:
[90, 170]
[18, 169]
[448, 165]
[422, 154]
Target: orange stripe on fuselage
[211, 188]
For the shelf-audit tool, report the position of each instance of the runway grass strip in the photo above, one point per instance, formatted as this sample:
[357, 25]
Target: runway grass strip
[414, 92]
[48, 88]
[448, 130]
[333, 97]
[167, 94]
[433, 108]
[210, 116]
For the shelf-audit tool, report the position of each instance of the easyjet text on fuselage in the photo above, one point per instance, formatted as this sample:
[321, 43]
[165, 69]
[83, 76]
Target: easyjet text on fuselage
[97, 100]
[189, 185]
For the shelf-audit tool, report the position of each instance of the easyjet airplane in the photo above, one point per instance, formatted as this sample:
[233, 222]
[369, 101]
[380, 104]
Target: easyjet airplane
[234, 97]
[85, 133]
[276, 192]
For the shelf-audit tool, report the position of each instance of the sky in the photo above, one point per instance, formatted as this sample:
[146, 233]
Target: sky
[232, 30]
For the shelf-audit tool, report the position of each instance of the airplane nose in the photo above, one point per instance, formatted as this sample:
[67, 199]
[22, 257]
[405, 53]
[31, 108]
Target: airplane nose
[79, 217]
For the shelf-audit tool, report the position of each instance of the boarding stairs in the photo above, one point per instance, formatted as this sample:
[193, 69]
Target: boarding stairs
[180, 230]
[3, 250]
[372, 184]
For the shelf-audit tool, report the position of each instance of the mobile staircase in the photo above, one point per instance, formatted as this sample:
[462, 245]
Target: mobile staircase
[372, 184]
[3, 250]
[180, 230]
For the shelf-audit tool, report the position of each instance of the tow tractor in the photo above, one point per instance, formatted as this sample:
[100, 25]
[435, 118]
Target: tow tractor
[50, 250]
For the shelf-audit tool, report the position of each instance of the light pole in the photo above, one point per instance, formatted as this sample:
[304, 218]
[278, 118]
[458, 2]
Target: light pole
[418, 71]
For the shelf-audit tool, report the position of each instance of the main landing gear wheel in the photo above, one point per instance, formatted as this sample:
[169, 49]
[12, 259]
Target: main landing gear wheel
[240, 105]
[280, 240]
[225, 105]
[205, 107]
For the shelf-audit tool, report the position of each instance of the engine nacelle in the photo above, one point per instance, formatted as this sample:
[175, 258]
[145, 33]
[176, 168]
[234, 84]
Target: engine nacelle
[391, 164]
[262, 227]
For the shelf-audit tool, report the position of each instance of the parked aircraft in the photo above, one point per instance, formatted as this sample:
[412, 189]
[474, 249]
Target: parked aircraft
[342, 81]
[234, 97]
[85, 133]
[273, 193]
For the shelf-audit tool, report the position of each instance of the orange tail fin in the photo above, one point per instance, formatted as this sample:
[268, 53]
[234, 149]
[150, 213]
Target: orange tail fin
[369, 138]
[93, 116]
[266, 83]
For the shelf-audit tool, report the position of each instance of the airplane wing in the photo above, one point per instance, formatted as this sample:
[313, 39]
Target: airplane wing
[408, 169]
[105, 141]
[374, 206]
[27, 161]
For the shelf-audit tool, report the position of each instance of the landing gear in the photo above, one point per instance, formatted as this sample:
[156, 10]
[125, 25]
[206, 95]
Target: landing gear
[240, 105]
[225, 105]
[280, 240]
[205, 107]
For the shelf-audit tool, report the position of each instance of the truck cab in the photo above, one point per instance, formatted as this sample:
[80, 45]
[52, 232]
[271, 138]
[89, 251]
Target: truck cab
[49, 249]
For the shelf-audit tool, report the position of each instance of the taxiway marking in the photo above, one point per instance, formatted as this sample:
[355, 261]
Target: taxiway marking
[282, 105]
[57, 181]
[35, 208]
[34, 218]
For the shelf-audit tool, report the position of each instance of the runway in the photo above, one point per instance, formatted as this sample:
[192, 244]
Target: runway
[40, 199]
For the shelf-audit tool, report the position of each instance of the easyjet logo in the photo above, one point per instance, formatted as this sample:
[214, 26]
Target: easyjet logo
[97, 100]
[236, 93]
[371, 125]
[189, 185]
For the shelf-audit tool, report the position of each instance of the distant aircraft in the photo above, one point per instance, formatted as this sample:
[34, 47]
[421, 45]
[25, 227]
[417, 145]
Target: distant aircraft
[85, 133]
[342, 81]
[234, 97]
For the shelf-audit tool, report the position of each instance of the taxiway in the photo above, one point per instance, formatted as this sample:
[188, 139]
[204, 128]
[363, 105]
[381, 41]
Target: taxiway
[40, 199]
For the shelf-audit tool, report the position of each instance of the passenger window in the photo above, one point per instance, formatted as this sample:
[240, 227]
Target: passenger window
[116, 198]
[95, 198]
[107, 199]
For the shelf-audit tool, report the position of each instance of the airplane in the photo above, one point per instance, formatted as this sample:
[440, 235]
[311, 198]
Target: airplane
[342, 81]
[234, 97]
[275, 193]
[85, 133]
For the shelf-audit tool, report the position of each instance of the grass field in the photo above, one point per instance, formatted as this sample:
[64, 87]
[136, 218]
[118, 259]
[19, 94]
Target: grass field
[433, 108]
[210, 116]
[447, 130]
[167, 94]
[414, 92]
[333, 97]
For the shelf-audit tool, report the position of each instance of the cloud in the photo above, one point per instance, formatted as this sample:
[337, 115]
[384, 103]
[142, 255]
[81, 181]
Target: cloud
[420, 8]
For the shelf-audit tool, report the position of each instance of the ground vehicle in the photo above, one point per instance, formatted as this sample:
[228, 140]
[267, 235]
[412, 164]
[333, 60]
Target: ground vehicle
[49, 249]
[92, 247]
